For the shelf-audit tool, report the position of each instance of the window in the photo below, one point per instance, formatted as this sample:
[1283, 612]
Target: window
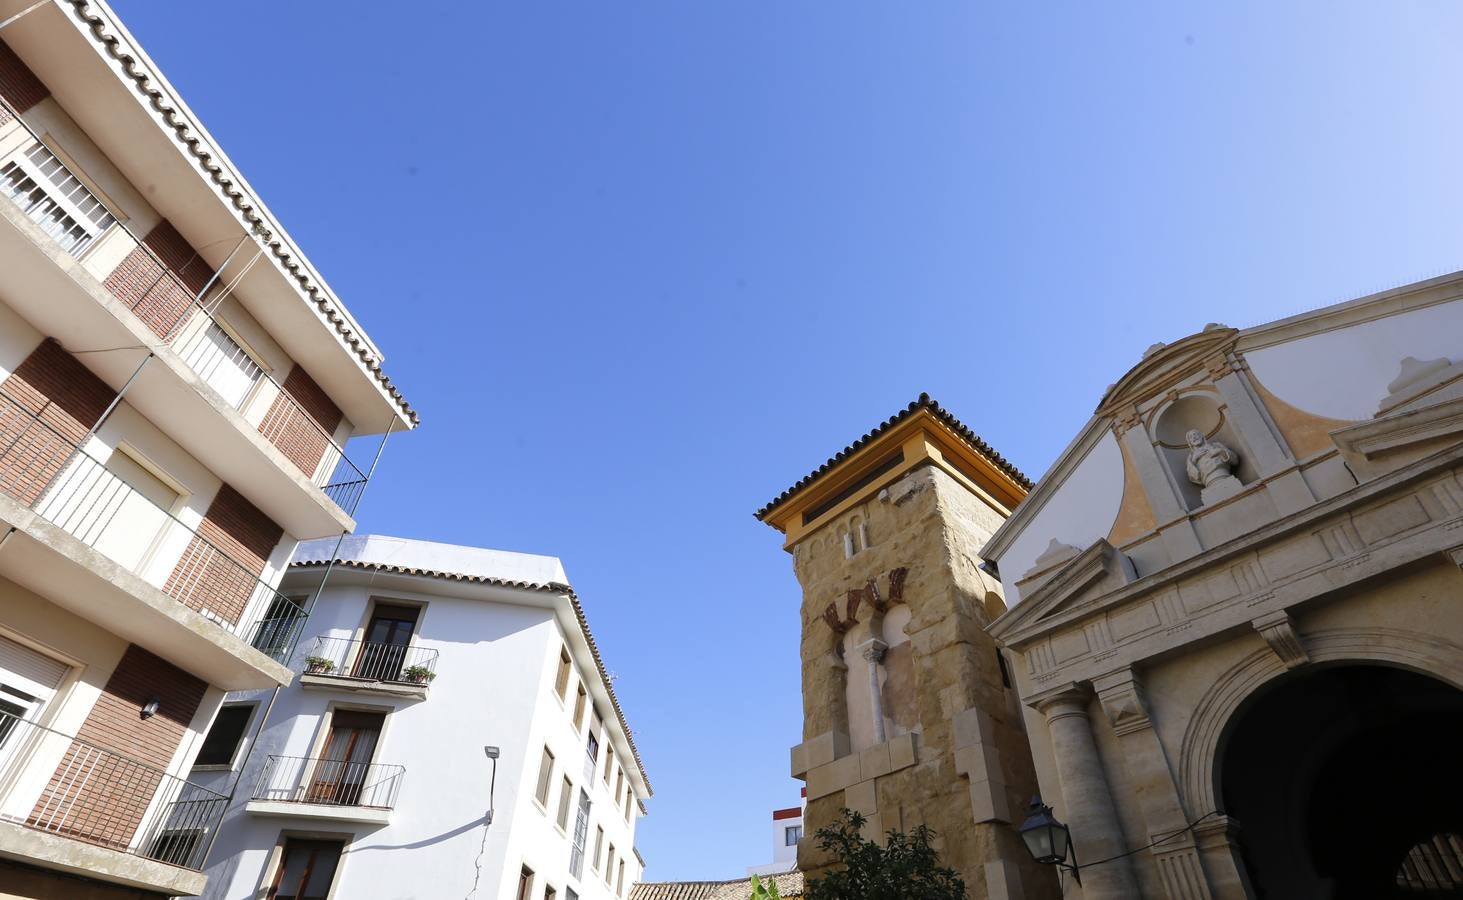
[569, 894]
[306, 870]
[227, 733]
[550, 893]
[178, 847]
[591, 746]
[279, 627]
[222, 361]
[610, 865]
[566, 796]
[792, 834]
[54, 199]
[388, 635]
[545, 773]
[620, 782]
[629, 803]
[579, 701]
[620, 885]
[599, 846]
[561, 681]
[609, 762]
[525, 883]
[581, 836]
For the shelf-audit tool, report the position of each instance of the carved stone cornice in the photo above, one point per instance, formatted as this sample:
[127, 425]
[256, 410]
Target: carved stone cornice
[1278, 630]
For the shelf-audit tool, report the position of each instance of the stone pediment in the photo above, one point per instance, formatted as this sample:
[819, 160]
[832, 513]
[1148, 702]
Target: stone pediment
[1402, 430]
[1093, 573]
[1165, 365]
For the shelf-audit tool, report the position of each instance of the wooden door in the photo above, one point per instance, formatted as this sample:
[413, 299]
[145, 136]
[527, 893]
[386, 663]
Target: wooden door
[383, 653]
[345, 763]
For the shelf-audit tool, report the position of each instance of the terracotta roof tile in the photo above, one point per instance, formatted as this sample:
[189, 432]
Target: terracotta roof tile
[924, 402]
[789, 885]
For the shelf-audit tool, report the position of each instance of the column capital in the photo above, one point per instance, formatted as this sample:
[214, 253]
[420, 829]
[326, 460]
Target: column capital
[1068, 699]
[873, 650]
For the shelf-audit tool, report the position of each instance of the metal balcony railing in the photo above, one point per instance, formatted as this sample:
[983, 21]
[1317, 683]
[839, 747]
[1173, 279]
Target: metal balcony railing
[47, 471]
[180, 315]
[106, 798]
[329, 782]
[397, 663]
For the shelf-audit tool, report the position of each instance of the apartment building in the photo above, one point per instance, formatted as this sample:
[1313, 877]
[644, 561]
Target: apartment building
[177, 390]
[787, 830]
[373, 776]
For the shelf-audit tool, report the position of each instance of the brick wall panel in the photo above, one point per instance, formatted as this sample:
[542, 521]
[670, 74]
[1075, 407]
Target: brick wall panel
[292, 427]
[206, 578]
[19, 86]
[160, 295]
[52, 385]
[101, 798]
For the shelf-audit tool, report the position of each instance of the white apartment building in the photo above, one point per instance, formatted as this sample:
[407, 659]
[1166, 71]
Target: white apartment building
[177, 387]
[787, 830]
[371, 777]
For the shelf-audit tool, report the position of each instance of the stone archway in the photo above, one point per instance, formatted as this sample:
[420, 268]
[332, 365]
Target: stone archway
[1335, 772]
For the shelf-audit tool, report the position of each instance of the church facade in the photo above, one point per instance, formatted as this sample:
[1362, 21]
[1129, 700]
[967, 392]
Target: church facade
[1236, 611]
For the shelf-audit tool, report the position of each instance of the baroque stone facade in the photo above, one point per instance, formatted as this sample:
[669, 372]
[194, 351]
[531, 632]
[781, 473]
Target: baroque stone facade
[1254, 692]
[908, 714]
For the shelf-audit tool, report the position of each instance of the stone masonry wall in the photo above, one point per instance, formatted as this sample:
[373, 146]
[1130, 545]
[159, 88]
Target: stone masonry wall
[965, 771]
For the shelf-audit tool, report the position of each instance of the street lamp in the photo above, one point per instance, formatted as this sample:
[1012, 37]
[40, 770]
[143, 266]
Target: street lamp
[1047, 839]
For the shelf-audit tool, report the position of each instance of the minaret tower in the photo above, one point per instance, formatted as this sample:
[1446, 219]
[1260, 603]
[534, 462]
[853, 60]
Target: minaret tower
[908, 714]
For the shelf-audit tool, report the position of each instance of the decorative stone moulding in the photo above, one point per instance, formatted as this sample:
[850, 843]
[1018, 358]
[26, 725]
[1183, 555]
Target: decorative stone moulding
[1435, 380]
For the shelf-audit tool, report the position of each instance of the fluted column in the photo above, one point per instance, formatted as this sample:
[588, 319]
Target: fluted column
[1090, 813]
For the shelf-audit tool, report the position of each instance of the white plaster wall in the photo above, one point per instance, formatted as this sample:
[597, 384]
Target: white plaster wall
[1080, 510]
[17, 340]
[494, 686]
[1343, 374]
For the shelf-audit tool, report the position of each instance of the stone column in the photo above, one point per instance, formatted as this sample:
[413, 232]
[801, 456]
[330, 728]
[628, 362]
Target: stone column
[1090, 814]
[1176, 852]
[873, 651]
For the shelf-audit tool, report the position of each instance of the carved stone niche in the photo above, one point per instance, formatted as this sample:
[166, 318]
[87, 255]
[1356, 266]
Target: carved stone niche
[1208, 460]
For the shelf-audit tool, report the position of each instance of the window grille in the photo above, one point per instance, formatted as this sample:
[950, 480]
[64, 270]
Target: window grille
[55, 199]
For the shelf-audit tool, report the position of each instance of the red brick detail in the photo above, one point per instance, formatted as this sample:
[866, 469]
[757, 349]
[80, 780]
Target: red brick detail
[292, 427]
[219, 570]
[160, 295]
[19, 86]
[47, 405]
[99, 797]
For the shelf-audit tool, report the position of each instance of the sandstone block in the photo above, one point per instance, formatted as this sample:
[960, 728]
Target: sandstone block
[874, 761]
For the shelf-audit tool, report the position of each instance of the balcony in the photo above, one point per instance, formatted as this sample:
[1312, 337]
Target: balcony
[129, 564]
[341, 664]
[70, 805]
[334, 789]
[92, 283]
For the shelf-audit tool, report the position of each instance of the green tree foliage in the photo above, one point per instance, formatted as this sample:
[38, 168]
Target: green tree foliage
[766, 891]
[908, 868]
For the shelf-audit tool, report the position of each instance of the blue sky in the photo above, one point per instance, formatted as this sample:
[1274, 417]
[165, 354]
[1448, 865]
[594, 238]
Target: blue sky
[642, 265]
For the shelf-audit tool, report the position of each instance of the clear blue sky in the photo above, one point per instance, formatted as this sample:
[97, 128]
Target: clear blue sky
[641, 265]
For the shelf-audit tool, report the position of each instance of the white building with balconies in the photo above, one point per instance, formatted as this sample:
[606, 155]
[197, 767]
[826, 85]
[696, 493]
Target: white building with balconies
[452, 729]
[178, 388]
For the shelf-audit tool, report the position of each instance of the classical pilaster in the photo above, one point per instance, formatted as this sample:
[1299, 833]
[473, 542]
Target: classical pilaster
[1090, 813]
[1175, 853]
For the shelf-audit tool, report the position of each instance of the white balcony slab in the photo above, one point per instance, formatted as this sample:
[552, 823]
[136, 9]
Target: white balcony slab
[63, 854]
[324, 812]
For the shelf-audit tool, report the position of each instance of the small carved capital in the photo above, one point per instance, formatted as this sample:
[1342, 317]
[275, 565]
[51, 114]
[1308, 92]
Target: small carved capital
[1278, 630]
[1068, 699]
[873, 650]
[1126, 419]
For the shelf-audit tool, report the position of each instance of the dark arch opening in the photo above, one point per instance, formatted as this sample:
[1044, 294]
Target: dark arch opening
[1336, 773]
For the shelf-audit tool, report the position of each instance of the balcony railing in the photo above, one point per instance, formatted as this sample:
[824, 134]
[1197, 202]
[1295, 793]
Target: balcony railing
[47, 471]
[103, 797]
[329, 782]
[397, 663]
[180, 315]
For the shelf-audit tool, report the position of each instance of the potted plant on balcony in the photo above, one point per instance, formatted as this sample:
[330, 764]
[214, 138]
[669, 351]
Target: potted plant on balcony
[418, 674]
[318, 665]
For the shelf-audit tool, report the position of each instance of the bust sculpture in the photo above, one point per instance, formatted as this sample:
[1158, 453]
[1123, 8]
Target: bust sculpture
[1211, 465]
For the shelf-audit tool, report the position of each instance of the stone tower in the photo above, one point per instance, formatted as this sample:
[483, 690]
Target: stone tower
[908, 714]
